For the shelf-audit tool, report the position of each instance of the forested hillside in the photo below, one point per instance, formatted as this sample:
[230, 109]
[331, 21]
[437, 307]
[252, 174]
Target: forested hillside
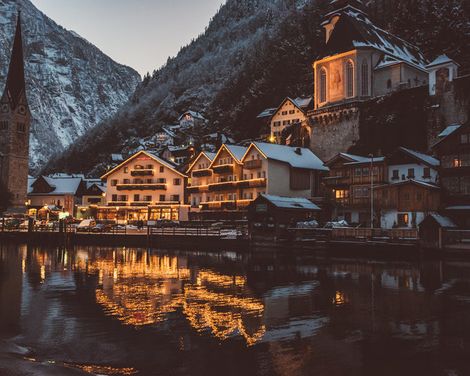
[252, 54]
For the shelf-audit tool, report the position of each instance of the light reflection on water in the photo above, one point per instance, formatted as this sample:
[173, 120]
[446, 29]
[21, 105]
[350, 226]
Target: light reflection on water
[257, 314]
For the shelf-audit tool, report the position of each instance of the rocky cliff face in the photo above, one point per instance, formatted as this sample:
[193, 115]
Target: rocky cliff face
[71, 85]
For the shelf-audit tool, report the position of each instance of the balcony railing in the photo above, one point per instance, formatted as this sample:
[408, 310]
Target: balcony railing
[256, 163]
[141, 187]
[117, 203]
[141, 203]
[201, 173]
[252, 183]
[142, 172]
[221, 169]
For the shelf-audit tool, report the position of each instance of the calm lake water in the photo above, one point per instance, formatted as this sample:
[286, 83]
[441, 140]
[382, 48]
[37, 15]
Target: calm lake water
[118, 311]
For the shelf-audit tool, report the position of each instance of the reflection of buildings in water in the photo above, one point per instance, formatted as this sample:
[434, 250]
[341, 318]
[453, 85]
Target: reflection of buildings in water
[141, 289]
[11, 266]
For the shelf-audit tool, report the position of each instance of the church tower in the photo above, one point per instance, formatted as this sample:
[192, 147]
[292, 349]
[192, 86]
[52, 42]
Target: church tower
[15, 121]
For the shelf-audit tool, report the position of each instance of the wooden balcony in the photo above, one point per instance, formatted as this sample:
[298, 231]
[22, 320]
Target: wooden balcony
[117, 203]
[221, 186]
[141, 187]
[141, 203]
[201, 173]
[222, 169]
[255, 163]
[142, 172]
[252, 183]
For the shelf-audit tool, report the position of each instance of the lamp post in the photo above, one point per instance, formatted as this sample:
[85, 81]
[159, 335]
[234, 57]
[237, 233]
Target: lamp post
[371, 191]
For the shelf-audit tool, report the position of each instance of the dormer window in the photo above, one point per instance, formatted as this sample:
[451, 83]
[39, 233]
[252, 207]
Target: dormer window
[322, 85]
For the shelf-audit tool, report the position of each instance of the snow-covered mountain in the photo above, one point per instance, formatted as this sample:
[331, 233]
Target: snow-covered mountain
[71, 85]
[253, 54]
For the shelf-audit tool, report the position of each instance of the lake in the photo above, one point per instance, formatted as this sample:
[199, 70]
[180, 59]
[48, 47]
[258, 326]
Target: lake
[121, 311]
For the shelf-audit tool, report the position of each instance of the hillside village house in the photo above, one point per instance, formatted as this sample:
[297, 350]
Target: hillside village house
[412, 191]
[348, 185]
[453, 149]
[224, 185]
[144, 187]
[59, 192]
[290, 111]
[191, 119]
[93, 196]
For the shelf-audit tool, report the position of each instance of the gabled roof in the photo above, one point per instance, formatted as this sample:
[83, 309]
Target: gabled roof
[194, 114]
[361, 160]
[420, 183]
[420, 157]
[268, 112]
[441, 220]
[209, 155]
[290, 202]
[237, 152]
[294, 156]
[60, 184]
[348, 157]
[449, 131]
[355, 30]
[151, 155]
[441, 60]
[169, 132]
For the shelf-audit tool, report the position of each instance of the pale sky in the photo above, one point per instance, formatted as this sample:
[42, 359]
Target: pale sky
[138, 33]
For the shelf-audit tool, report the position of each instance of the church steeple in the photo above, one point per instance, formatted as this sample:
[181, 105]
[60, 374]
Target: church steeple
[15, 88]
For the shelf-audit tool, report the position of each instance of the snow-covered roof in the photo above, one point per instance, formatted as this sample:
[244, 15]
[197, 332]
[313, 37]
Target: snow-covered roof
[442, 220]
[387, 61]
[458, 207]
[441, 60]
[237, 150]
[421, 183]
[194, 114]
[355, 30]
[210, 155]
[302, 102]
[151, 155]
[449, 130]
[268, 112]
[291, 202]
[361, 160]
[294, 156]
[426, 159]
[168, 131]
[117, 157]
[62, 184]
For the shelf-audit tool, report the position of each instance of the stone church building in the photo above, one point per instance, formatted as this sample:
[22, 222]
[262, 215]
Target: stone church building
[15, 120]
[359, 61]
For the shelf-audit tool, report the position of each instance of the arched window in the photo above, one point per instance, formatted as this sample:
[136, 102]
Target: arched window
[349, 79]
[365, 78]
[322, 85]
[389, 83]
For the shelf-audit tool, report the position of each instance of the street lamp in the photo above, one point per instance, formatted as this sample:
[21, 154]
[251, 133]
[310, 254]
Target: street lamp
[371, 191]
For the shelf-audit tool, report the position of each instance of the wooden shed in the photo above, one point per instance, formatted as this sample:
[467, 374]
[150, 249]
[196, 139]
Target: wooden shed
[431, 230]
[269, 216]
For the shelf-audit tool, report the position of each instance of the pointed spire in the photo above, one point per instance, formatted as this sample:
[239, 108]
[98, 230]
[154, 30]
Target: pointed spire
[15, 85]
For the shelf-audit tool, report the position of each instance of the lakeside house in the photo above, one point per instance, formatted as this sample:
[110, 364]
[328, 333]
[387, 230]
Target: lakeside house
[289, 112]
[144, 187]
[348, 186]
[237, 175]
[453, 149]
[60, 192]
[411, 192]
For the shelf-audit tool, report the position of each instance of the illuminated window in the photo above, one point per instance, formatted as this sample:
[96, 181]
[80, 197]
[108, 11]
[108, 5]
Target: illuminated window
[457, 162]
[403, 219]
[323, 85]
[341, 193]
[365, 78]
[349, 79]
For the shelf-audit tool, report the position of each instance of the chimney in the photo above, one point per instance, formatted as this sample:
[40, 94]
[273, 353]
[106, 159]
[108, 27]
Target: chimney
[298, 151]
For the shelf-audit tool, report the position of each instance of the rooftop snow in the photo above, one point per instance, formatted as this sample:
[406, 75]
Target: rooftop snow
[194, 114]
[267, 112]
[62, 185]
[291, 202]
[355, 30]
[426, 159]
[305, 159]
[237, 151]
[449, 130]
[442, 220]
[443, 59]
